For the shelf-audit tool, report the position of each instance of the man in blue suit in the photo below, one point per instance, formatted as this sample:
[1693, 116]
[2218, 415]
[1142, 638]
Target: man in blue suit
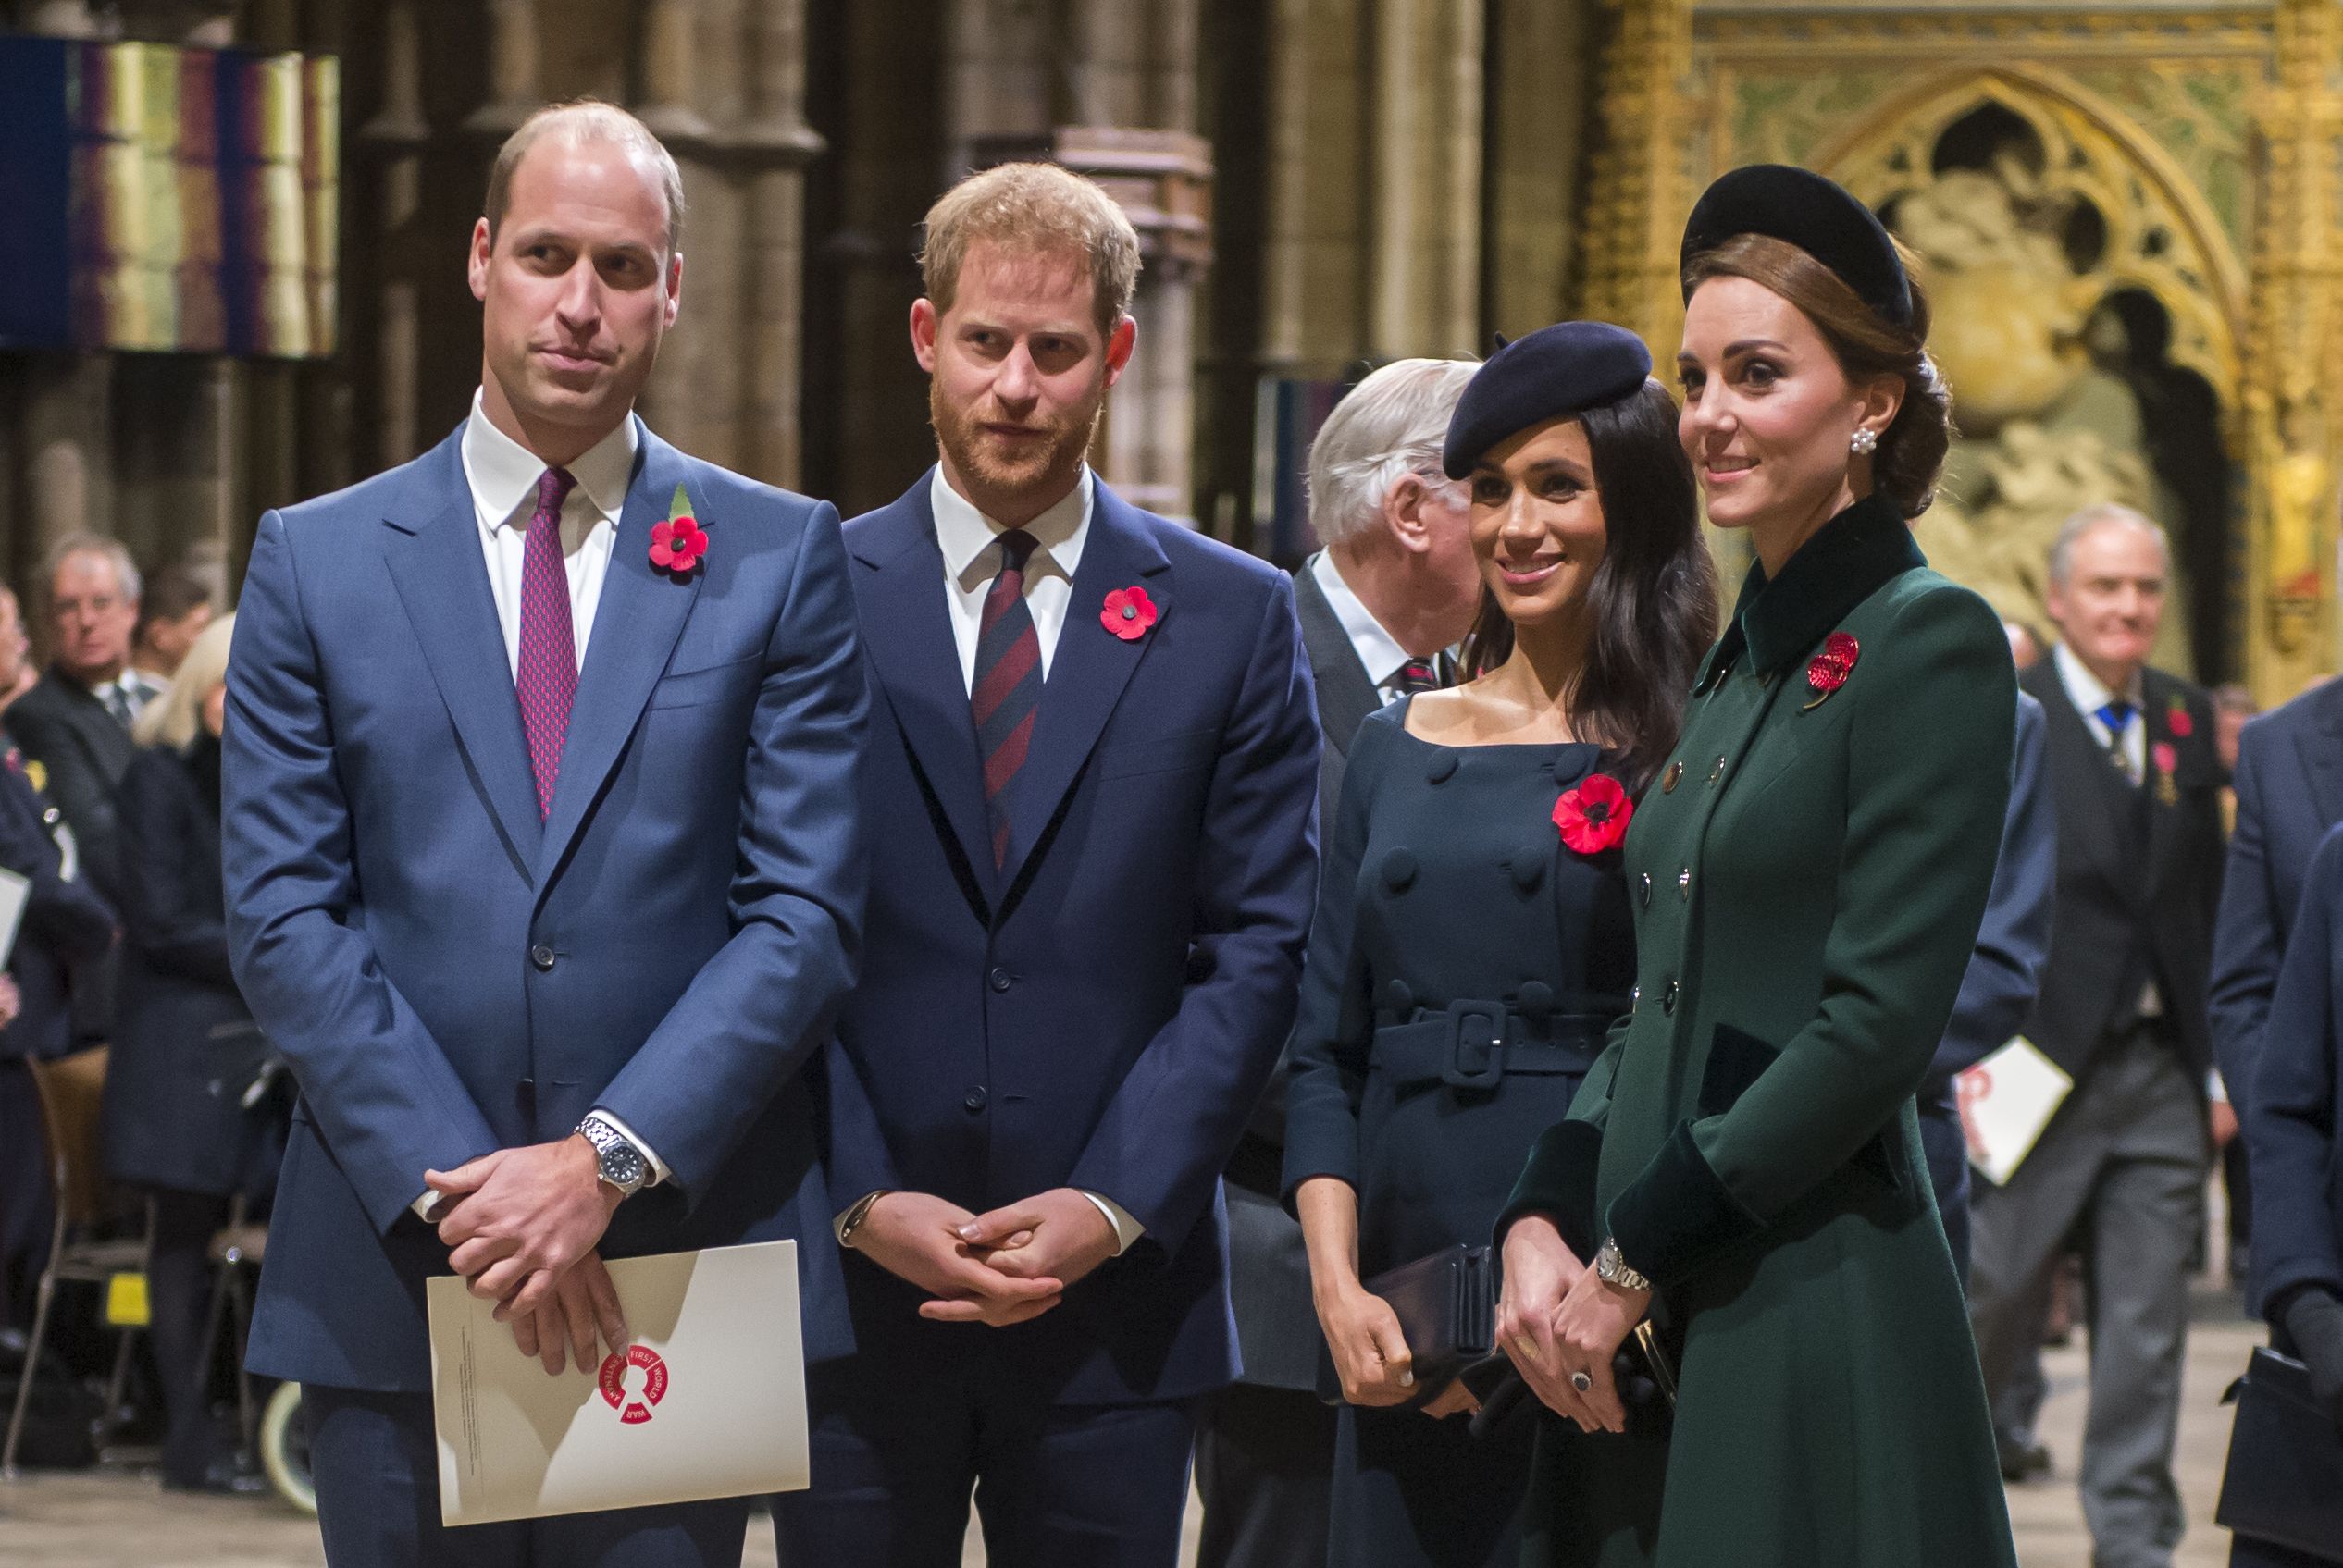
[2290, 786]
[543, 862]
[1092, 792]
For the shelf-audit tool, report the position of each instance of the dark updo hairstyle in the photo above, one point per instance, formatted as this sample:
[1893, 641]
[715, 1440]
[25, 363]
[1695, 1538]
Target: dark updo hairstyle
[1911, 451]
[1653, 602]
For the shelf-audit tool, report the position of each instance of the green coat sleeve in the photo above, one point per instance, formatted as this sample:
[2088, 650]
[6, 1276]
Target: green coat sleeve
[1927, 757]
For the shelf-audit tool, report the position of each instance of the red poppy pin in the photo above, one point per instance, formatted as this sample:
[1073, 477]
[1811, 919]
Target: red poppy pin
[2179, 722]
[1828, 670]
[678, 544]
[1593, 817]
[1128, 613]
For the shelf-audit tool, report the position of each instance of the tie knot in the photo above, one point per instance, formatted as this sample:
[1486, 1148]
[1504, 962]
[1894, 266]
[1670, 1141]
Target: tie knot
[1017, 547]
[2116, 716]
[553, 486]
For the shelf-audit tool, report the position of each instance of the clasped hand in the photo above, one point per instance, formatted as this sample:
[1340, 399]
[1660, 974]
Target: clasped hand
[522, 1226]
[1555, 1316]
[998, 1269]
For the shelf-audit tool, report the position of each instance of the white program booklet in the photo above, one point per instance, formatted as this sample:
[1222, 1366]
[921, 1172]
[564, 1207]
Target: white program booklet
[2006, 1101]
[708, 1402]
[15, 891]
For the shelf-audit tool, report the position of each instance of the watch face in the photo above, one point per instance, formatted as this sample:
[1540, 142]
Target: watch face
[622, 1167]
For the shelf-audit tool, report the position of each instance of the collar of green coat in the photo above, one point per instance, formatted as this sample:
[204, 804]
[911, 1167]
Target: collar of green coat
[1853, 556]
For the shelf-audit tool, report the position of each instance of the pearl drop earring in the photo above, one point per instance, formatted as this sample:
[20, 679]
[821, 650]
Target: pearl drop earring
[1864, 442]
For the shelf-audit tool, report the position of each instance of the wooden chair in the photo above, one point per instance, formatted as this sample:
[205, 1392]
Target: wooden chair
[70, 1088]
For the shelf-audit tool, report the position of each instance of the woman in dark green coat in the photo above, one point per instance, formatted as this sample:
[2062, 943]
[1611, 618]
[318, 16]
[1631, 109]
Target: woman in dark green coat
[1743, 1164]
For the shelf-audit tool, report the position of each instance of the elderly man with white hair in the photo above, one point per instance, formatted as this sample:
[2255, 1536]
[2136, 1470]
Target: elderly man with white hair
[2123, 1010]
[1394, 589]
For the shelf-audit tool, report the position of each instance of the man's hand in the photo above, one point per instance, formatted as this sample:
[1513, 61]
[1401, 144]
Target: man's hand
[521, 1217]
[1058, 1235]
[916, 1238]
[584, 1304]
[11, 1001]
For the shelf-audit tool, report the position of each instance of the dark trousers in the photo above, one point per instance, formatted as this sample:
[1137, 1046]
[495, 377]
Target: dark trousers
[2125, 1159]
[377, 1468]
[180, 1281]
[1265, 1469]
[1947, 1148]
[897, 1452]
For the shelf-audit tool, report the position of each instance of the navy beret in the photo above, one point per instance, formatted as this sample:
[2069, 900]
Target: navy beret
[1550, 374]
[1803, 208]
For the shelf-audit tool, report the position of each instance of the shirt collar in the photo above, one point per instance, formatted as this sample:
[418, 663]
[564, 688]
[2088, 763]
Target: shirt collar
[503, 474]
[963, 534]
[1850, 558]
[2086, 691]
[1378, 650]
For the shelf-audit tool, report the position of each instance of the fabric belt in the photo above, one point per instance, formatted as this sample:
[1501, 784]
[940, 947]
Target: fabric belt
[1475, 1044]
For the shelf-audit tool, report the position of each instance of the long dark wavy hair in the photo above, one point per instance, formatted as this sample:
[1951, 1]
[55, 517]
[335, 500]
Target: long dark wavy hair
[1653, 601]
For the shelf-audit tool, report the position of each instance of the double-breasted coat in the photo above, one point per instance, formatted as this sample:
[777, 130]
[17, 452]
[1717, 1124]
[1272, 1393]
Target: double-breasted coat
[1808, 876]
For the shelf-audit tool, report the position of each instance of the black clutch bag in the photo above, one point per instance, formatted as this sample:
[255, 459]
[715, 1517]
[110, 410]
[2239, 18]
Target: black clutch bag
[1447, 1304]
[2285, 1480]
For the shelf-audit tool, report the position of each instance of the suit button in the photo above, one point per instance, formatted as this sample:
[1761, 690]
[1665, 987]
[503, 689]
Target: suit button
[541, 956]
[1667, 1000]
[999, 979]
[1717, 771]
[973, 1099]
[1684, 885]
[1647, 890]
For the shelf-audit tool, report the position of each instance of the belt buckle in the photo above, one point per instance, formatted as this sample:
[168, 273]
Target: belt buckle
[1475, 1061]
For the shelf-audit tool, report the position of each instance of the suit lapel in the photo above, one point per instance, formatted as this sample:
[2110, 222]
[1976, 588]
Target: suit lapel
[641, 614]
[1346, 687]
[2080, 763]
[1089, 670]
[441, 577]
[906, 634]
[2320, 746]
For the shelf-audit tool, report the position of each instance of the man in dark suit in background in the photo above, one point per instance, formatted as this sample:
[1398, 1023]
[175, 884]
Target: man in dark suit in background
[1394, 588]
[2121, 1010]
[1092, 788]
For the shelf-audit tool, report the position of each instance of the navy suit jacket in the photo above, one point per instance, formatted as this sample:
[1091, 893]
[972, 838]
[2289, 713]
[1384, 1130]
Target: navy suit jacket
[66, 928]
[447, 974]
[1102, 1011]
[2294, 1111]
[2013, 943]
[2290, 783]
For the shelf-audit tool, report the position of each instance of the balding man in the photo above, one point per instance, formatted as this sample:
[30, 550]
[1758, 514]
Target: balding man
[2122, 1009]
[543, 863]
[1394, 588]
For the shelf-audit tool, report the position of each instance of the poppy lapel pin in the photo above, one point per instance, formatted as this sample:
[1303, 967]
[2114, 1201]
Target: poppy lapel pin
[1828, 670]
[2178, 723]
[1593, 817]
[680, 543]
[1129, 614]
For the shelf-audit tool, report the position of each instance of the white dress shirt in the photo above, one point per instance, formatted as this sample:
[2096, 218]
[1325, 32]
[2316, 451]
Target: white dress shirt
[970, 543]
[972, 560]
[2089, 694]
[1379, 652]
[503, 475]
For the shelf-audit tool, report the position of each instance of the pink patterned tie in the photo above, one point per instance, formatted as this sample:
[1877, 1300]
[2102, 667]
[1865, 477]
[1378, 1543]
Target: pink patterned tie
[546, 681]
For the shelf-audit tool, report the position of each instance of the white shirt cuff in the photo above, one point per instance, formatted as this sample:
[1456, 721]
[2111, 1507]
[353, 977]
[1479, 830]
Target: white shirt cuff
[659, 1171]
[1126, 1230]
[2216, 1091]
[422, 1206]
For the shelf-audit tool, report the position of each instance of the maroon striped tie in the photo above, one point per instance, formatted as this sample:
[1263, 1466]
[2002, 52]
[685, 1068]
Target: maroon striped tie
[1006, 691]
[546, 678]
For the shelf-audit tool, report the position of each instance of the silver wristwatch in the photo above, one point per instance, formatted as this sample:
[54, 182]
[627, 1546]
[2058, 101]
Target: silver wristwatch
[623, 1164]
[1611, 1269]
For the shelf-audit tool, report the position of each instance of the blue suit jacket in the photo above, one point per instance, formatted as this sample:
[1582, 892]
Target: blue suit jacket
[2290, 783]
[1103, 1011]
[2013, 943]
[448, 975]
[2294, 1110]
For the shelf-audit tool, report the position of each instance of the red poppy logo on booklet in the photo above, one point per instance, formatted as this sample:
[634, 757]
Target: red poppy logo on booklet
[2179, 722]
[1128, 613]
[634, 1411]
[678, 544]
[1593, 817]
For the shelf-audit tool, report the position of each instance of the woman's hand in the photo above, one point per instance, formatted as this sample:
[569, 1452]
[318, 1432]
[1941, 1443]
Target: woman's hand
[1539, 1268]
[1370, 1353]
[1594, 1319]
[1454, 1399]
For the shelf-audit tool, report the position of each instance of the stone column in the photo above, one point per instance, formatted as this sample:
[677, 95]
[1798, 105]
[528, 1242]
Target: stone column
[1636, 202]
[398, 136]
[774, 145]
[1424, 273]
[513, 73]
[1538, 108]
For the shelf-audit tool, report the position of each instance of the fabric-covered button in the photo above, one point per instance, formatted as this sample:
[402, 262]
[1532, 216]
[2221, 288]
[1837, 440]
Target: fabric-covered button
[1535, 999]
[1399, 870]
[541, 956]
[1397, 997]
[1442, 766]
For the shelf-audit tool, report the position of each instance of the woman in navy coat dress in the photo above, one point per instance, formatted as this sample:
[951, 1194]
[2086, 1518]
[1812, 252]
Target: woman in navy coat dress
[1472, 892]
